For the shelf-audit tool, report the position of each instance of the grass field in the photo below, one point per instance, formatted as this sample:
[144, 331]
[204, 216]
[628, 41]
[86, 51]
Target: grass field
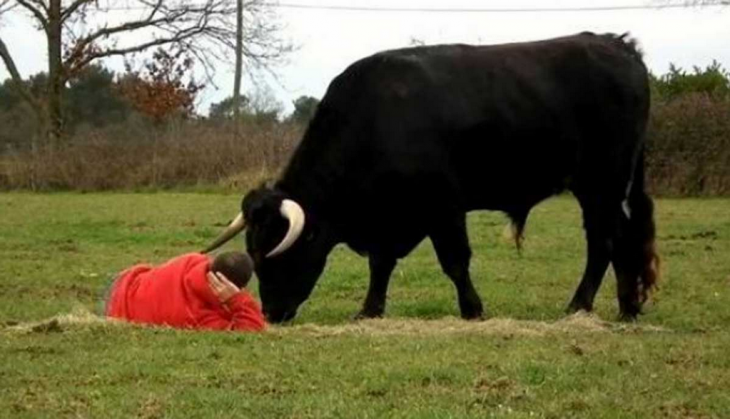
[527, 361]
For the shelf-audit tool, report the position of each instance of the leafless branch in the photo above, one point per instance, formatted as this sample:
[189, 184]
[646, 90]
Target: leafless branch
[40, 4]
[37, 9]
[110, 52]
[184, 24]
[74, 7]
[205, 29]
[6, 5]
[15, 75]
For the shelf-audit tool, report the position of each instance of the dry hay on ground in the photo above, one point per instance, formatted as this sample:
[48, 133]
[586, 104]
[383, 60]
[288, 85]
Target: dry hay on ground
[77, 319]
[577, 323]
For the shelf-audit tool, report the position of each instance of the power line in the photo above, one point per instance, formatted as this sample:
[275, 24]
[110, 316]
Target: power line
[303, 6]
[493, 10]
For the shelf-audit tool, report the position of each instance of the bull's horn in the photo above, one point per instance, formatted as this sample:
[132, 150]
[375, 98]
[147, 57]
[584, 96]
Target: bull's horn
[295, 214]
[234, 228]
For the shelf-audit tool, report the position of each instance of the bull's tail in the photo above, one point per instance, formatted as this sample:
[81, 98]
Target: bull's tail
[641, 235]
[516, 227]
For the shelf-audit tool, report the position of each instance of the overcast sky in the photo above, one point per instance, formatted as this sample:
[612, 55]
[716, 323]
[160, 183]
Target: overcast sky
[329, 40]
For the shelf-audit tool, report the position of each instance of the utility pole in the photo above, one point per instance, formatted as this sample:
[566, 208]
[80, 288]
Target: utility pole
[55, 69]
[239, 65]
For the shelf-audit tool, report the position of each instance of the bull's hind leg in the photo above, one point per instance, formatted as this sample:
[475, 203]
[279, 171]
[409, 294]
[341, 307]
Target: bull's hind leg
[627, 268]
[599, 226]
[634, 258]
[381, 268]
[451, 242]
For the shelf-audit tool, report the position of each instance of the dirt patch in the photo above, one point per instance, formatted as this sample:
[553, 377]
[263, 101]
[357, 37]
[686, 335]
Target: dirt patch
[700, 235]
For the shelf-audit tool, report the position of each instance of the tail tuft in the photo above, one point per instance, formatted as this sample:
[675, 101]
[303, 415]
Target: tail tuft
[518, 219]
[645, 236]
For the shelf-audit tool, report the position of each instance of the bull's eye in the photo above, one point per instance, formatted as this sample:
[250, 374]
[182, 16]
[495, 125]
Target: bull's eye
[310, 236]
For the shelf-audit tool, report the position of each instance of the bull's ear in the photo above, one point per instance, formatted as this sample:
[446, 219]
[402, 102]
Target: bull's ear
[261, 204]
[257, 257]
[255, 212]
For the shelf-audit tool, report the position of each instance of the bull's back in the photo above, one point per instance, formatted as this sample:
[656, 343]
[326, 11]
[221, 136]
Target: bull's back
[482, 122]
[494, 127]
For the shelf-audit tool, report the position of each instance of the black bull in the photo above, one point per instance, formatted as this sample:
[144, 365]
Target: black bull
[406, 142]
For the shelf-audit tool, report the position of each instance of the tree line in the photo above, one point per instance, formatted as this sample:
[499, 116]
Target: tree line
[158, 93]
[143, 118]
[81, 33]
[161, 90]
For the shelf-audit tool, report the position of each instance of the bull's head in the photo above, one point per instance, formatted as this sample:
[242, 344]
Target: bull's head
[289, 248]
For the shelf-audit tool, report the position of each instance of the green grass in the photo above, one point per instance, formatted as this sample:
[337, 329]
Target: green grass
[58, 251]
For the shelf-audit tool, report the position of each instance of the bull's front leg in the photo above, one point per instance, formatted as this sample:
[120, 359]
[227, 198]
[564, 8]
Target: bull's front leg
[380, 269]
[451, 242]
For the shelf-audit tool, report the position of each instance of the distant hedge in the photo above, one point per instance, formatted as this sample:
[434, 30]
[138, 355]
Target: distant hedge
[688, 144]
[130, 157]
[688, 147]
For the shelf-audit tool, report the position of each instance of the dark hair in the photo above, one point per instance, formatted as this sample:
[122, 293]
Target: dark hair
[236, 266]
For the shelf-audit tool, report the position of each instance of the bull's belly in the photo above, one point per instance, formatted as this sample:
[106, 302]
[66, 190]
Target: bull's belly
[510, 180]
[392, 238]
[511, 197]
[396, 210]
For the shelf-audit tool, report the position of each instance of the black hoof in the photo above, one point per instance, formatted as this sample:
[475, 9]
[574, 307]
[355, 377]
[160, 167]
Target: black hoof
[475, 318]
[627, 318]
[476, 314]
[629, 311]
[367, 314]
[575, 307]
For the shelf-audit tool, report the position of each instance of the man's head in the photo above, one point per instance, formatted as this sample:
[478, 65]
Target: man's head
[236, 266]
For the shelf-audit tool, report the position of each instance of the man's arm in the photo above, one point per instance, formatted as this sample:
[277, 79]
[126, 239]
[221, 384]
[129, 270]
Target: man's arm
[245, 311]
[245, 315]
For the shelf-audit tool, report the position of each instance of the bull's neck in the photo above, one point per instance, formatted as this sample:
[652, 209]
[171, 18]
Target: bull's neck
[312, 180]
[314, 191]
[311, 190]
[316, 170]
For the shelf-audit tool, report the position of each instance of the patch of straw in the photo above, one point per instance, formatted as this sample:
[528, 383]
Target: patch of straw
[577, 323]
[78, 318]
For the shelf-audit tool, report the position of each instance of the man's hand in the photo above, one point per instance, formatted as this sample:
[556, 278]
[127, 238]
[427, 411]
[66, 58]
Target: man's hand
[221, 286]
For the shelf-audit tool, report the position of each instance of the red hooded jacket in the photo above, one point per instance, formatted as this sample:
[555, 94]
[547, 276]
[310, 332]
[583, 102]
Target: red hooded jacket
[177, 294]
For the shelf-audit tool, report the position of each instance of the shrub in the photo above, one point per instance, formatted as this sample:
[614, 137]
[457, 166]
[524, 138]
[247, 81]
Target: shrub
[688, 146]
[129, 157]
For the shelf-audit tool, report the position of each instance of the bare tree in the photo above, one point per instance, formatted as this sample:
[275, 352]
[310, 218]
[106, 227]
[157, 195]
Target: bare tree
[80, 32]
[5, 5]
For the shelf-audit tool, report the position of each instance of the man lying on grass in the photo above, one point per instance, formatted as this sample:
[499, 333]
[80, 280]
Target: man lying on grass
[188, 292]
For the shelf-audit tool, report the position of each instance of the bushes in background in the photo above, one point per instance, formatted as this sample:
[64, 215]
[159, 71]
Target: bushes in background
[688, 144]
[133, 156]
